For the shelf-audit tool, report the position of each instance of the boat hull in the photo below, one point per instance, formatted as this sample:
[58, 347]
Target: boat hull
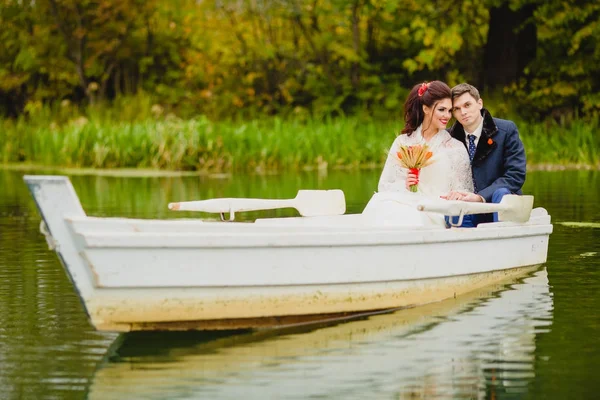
[265, 307]
[173, 274]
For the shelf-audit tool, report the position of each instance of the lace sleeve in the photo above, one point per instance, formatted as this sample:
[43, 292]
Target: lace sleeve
[461, 177]
[393, 175]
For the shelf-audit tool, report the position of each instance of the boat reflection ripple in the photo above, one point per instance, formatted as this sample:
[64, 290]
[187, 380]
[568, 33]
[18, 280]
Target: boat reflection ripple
[474, 346]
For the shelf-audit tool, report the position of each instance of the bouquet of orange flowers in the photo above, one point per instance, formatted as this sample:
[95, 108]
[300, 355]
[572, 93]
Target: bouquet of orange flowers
[414, 158]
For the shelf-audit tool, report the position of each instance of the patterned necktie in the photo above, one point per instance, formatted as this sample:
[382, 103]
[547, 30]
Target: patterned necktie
[472, 147]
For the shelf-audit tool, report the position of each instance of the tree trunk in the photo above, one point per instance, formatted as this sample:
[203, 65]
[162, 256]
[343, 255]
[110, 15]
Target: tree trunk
[355, 69]
[511, 45]
[371, 45]
[76, 47]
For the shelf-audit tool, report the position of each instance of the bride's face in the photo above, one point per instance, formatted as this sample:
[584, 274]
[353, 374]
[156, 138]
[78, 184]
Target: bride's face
[438, 115]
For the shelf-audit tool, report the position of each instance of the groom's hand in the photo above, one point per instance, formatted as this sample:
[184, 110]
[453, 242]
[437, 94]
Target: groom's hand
[463, 196]
[475, 198]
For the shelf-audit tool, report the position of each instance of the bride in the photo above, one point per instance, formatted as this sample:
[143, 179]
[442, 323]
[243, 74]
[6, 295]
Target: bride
[427, 111]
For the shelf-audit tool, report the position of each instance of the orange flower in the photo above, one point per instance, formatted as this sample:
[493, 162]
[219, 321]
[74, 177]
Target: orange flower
[417, 156]
[414, 158]
[490, 141]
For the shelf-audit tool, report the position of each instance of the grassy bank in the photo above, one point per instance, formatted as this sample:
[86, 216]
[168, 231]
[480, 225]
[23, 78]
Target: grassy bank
[268, 144]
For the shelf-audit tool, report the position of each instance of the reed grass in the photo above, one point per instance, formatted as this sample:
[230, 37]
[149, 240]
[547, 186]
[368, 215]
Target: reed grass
[552, 143]
[144, 137]
[199, 144]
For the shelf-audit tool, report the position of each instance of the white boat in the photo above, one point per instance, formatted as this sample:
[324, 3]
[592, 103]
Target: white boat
[134, 274]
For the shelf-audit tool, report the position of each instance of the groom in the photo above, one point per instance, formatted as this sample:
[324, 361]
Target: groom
[495, 150]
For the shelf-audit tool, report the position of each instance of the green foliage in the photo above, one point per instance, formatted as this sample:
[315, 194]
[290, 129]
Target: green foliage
[552, 143]
[150, 139]
[564, 79]
[148, 136]
[296, 58]
[242, 58]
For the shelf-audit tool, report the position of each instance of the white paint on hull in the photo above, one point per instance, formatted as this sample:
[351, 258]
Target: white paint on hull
[246, 266]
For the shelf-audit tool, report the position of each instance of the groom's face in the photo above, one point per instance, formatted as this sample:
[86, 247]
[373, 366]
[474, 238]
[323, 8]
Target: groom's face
[467, 111]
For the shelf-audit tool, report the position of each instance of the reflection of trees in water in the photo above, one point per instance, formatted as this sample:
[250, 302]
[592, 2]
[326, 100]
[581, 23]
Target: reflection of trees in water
[148, 197]
[46, 342]
[493, 345]
[567, 195]
[464, 347]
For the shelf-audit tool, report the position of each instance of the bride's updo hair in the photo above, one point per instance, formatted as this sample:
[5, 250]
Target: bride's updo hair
[428, 94]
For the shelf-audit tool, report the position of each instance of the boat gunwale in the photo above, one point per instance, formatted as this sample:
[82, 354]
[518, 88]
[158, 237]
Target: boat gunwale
[346, 237]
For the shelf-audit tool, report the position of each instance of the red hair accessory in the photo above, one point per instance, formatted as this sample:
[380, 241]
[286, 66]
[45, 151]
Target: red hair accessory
[423, 88]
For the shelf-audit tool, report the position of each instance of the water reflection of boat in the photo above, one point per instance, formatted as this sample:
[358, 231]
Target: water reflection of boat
[163, 274]
[463, 347]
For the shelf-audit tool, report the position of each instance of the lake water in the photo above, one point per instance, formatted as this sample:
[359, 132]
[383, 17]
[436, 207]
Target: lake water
[535, 337]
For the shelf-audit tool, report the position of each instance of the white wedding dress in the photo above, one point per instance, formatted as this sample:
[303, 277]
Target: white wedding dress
[450, 170]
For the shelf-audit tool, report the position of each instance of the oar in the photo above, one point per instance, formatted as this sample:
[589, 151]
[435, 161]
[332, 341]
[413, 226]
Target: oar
[512, 207]
[309, 203]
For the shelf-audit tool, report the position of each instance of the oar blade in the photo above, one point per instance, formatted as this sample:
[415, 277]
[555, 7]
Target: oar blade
[313, 203]
[517, 208]
[513, 208]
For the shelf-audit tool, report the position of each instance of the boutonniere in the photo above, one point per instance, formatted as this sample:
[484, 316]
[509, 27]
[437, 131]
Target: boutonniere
[490, 141]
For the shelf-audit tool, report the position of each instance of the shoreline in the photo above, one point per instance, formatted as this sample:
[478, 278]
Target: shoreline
[147, 172]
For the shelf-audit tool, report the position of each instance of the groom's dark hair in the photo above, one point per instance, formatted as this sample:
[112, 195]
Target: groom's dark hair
[463, 88]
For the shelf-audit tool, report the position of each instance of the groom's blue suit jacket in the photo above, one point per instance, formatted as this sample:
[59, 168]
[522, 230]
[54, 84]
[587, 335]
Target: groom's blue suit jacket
[499, 160]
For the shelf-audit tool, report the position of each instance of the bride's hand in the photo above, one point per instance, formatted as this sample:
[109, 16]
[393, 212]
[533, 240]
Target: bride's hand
[411, 179]
[453, 196]
[463, 196]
